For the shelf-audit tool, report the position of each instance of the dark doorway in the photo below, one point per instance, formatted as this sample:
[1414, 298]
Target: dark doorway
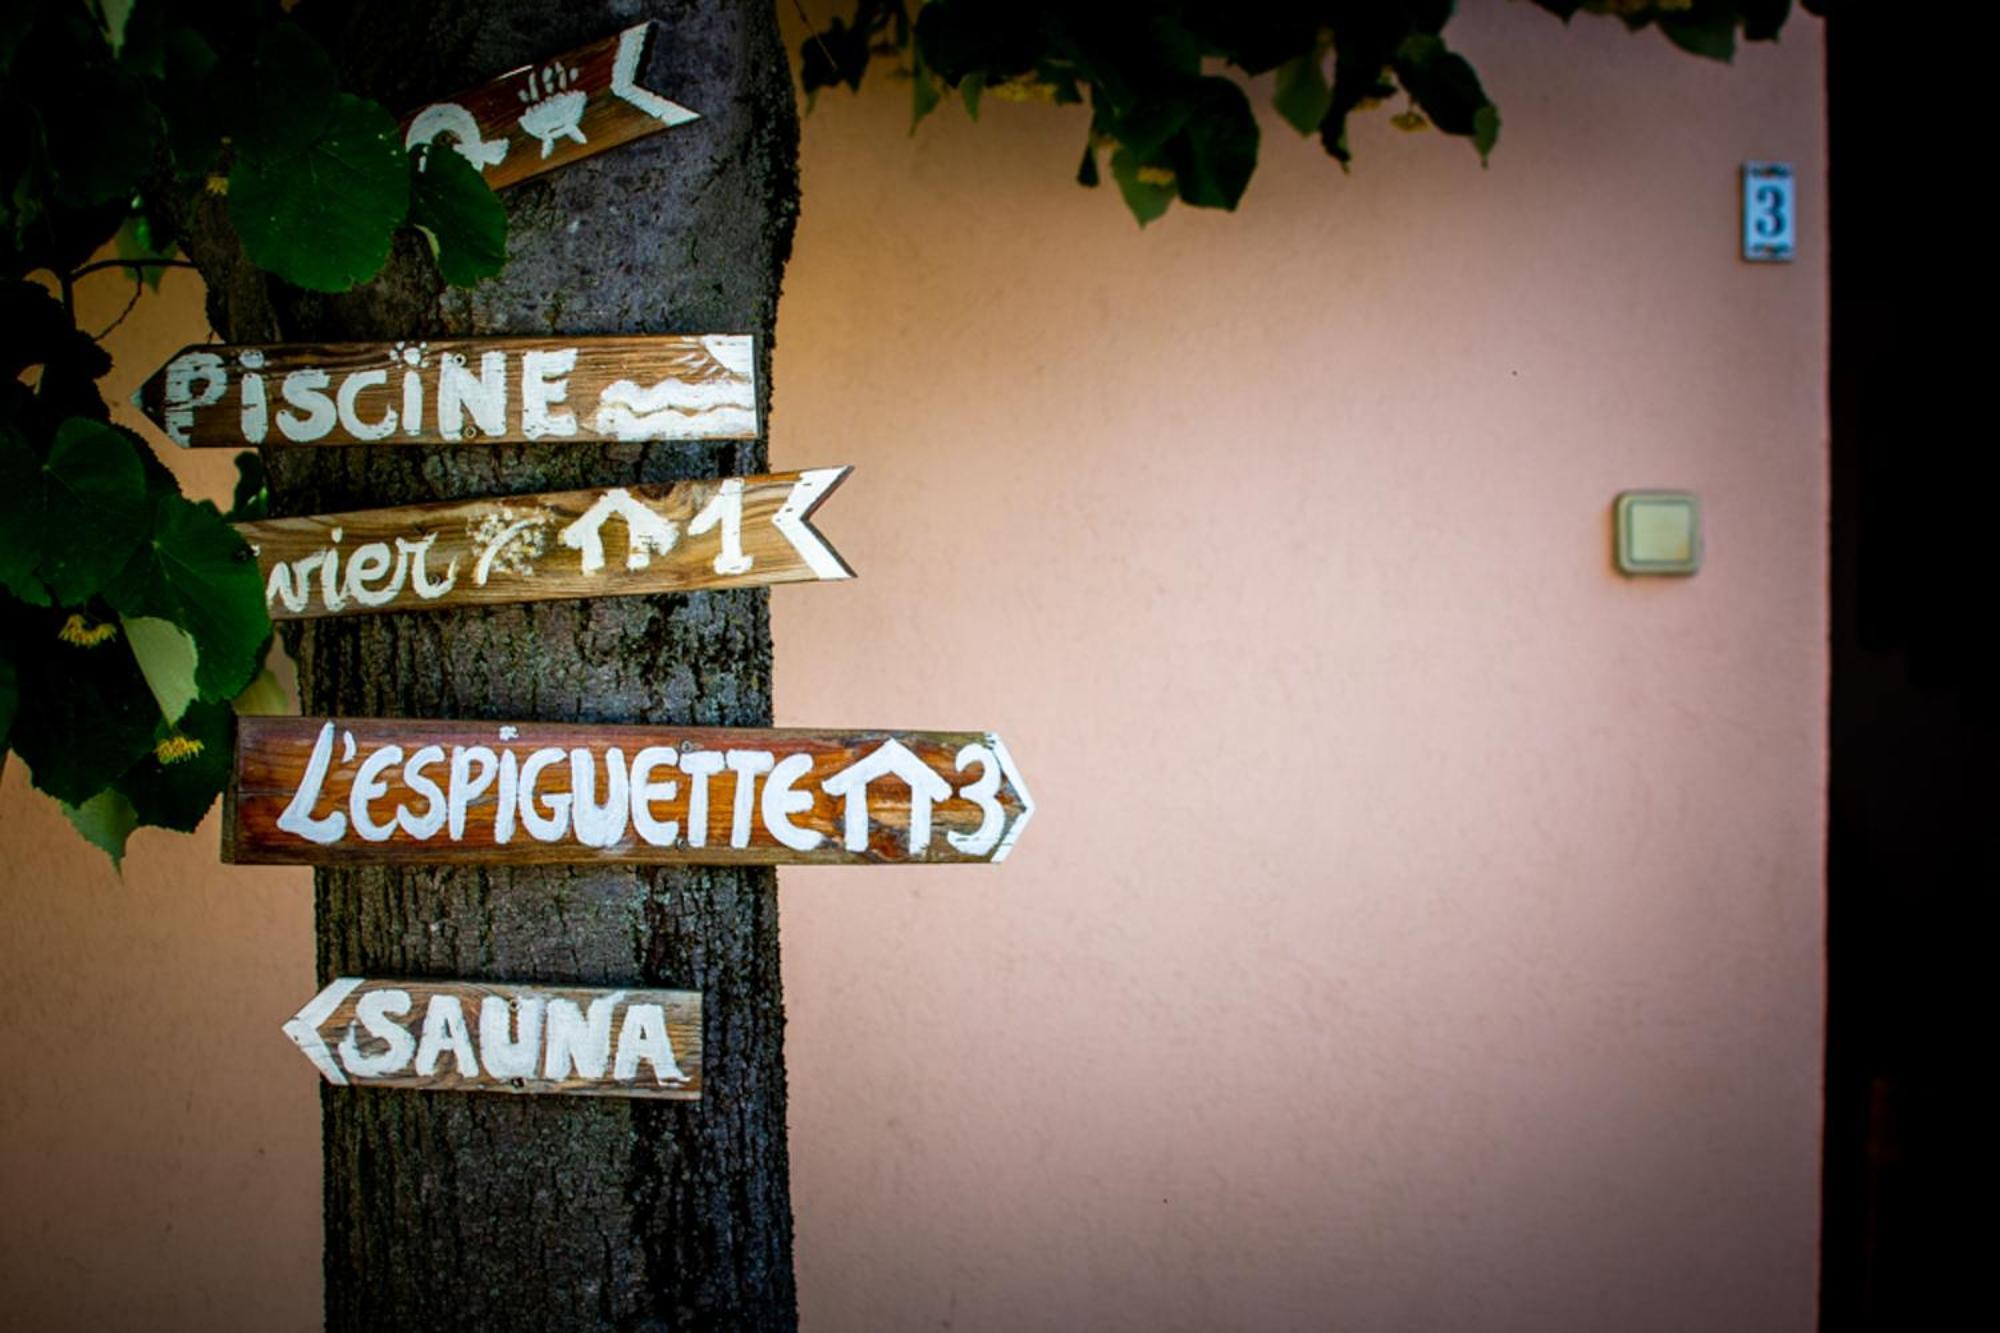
[1911, 861]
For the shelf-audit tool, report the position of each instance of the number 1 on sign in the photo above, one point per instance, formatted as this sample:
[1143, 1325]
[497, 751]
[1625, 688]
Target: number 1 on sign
[727, 509]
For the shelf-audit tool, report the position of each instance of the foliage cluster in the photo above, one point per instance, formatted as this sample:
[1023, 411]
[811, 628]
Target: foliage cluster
[132, 618]
[1173, 127]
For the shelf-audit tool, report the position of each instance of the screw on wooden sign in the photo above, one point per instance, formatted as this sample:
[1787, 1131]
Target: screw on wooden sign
[362, 790]
[725, 533]
[473, 1037]
[458, 391]
[553, 112]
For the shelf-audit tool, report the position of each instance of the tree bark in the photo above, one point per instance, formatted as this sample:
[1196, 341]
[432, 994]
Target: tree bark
[467, 1211]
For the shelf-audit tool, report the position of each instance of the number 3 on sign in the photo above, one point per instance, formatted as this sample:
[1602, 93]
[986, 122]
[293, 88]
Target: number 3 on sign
[1769, 227]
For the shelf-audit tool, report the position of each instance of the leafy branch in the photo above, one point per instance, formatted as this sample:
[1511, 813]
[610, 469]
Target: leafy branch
[1173, 128]
[132, 620]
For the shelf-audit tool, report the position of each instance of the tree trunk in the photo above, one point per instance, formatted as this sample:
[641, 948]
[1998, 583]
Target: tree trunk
[490, 1212]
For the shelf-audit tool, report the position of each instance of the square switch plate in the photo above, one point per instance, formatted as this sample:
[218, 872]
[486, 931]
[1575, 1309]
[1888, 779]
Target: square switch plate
[1659, 532]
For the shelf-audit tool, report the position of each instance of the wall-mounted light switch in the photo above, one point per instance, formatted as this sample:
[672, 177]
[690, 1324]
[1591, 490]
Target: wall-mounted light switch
[1659, 532]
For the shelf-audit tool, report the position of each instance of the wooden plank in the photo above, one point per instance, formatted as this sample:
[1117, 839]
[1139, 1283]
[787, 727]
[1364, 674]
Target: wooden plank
[470, 1036]
[727, 532]
[554, 112]
[373, 790]
[458, 391]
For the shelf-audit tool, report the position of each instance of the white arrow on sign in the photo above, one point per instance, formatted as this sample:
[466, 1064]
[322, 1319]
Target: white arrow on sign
[303, 1028]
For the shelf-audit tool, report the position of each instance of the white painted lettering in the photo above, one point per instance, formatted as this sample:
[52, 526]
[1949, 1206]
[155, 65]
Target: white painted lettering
[378, 1011]
[545, 381]
[255, 415]
[350, 418]
[727, 509]
[369, 784]
[445, 1027]
[782, 801]
[643, 1036]
[598, 825]
[372, 562]
[298, 817]
[485, 397]
[420, 575]
[305, 390]
[992, 816]
[541, 827]
[700, 766]
[658, 832]
[504, 808]
[464, 786]
[576, 1040]
[179, 395]
[515, 1055]
[746, 765]
[427, 824]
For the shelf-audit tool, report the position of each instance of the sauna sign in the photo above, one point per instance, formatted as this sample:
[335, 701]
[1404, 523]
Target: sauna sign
[471, 1037]
[328, 791]
[458, 391]
[723, 533]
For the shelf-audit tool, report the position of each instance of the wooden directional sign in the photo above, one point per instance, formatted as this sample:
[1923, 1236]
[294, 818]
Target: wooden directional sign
[458, 391]
[726, 533]
[325, 791]
[467, 1036]
[553, 112]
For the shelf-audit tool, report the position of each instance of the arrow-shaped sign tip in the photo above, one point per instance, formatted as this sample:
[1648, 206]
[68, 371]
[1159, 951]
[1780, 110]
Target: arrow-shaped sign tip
[625, 79]
[303, 1028]
[1013, 776]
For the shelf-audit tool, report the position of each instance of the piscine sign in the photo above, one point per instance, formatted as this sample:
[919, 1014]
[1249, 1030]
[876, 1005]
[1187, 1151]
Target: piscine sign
[472, 1037]
[458, 391]
[722, 533]
[362, 790]
[554, 112]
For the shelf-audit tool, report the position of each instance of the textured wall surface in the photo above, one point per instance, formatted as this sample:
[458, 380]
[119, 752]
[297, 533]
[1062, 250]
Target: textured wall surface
[1422, 924]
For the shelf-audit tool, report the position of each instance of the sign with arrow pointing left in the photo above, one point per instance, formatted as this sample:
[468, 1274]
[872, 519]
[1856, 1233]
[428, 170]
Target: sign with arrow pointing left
[553, 112]
[360, 790]
[724, 533]
[468, 1036]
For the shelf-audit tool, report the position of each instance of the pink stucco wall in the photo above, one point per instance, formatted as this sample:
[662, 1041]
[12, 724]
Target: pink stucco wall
[1421, 928]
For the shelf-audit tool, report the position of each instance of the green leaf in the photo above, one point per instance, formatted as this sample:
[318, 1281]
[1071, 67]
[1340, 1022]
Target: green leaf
[87, 715]
[174, 785]
[196, 572]
[1086, 171]
[1441, 82]
[264, 697]
[1485, 130]
[1215, 154]
[282, 97]
[71, 520]
[1146, 198]
[323, 218]
[117, 13]
[1303, 94]
[252, 497]
[135, 244]
[101, 130]
[106, 821]
[969, 89]
[924, 93]
[457, 209]
[1711, 33]
[167, 657]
